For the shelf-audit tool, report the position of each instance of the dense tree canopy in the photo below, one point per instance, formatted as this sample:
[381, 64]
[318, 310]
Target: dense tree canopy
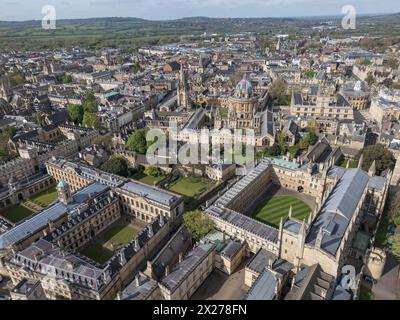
[137, 142]
[67, 79]
[152, 171]
[75, 112]
[116, 165]
[91, 120]
[198, 224]
[384, 159]
[90, 104]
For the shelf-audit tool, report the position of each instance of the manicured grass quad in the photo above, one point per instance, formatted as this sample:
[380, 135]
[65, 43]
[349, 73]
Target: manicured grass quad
[120, 233]
[46, 197]
[271, 210]
[149, 180]
[191, 187]
[16, 213]
[97, 252]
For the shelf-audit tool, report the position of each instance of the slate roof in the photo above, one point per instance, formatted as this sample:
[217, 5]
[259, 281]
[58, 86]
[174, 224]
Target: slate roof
[338, 210]
[52, 213]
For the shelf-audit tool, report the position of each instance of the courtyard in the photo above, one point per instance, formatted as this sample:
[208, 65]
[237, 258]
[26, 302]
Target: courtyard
[103, 247]
[276, 203]
[45, 198]
[192, 187]
[220, 286]
[149, 180]
[17, 213]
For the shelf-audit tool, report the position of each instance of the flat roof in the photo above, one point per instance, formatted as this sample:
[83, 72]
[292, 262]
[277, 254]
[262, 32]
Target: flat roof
[152, 193]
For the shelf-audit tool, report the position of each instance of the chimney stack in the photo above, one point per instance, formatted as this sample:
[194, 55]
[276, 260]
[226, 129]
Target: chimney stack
[167, 270]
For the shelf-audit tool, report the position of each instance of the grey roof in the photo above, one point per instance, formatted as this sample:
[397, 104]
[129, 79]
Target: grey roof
[263, 288]
[310, 283]
[141, 290]
[152, 193]
[338, 210]
[52, 213]
[231, 248]
[169, 254]
[239, 220]
[292, 226]
[260, 260]
[186, 267]
[63, 265]
[93, 174]
[377, 183]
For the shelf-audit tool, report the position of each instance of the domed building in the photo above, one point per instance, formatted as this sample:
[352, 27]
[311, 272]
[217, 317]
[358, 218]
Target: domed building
[244, 108]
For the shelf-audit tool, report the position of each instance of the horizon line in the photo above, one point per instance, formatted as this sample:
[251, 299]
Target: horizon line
[208, 17]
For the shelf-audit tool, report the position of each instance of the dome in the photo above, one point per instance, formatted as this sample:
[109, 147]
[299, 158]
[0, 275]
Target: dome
[244, 89]
[62, 185]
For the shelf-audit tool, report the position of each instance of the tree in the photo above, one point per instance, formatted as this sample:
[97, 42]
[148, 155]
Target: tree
[198, 224]
[136, 67]
[116, 165]
[75, 112]
[383, 158]
[38, 118]
[309, 74]
[278, 89]
[137, 142]
[280, 140]
[90, 104]
[370, 79]
[364, 62]
[294, 151]
[152, 171]
[274, 150]
[67, 79]
[90, 120]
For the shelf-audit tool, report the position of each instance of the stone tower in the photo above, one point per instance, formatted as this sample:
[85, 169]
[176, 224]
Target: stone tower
[183, 97]
[64, 192]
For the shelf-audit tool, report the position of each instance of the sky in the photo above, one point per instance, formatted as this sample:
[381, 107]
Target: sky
[17, 10]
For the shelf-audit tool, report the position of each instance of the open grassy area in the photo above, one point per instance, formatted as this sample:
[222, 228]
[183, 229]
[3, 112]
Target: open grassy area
[97, 252]
[16, 213]
[150, 180]
[271, 210]
[46, 197]
[191, 186]
[120, 233]
[224, 112]
[352, 163]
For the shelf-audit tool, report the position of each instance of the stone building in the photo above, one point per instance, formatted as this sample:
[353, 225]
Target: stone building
[343, 197]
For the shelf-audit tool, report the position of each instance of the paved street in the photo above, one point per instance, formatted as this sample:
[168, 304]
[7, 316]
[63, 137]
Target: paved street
[388, 286]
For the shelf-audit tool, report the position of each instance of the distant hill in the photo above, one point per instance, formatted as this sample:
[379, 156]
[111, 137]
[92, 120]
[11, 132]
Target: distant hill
[98, 32]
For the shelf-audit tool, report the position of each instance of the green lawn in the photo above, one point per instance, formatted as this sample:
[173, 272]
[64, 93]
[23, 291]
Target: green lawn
[97, 252]
[120, 233]
[150, 180]
[191, 186]
[352, 163]
[46, 197]
[224, 112]
[271, 210]
[16, 213]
